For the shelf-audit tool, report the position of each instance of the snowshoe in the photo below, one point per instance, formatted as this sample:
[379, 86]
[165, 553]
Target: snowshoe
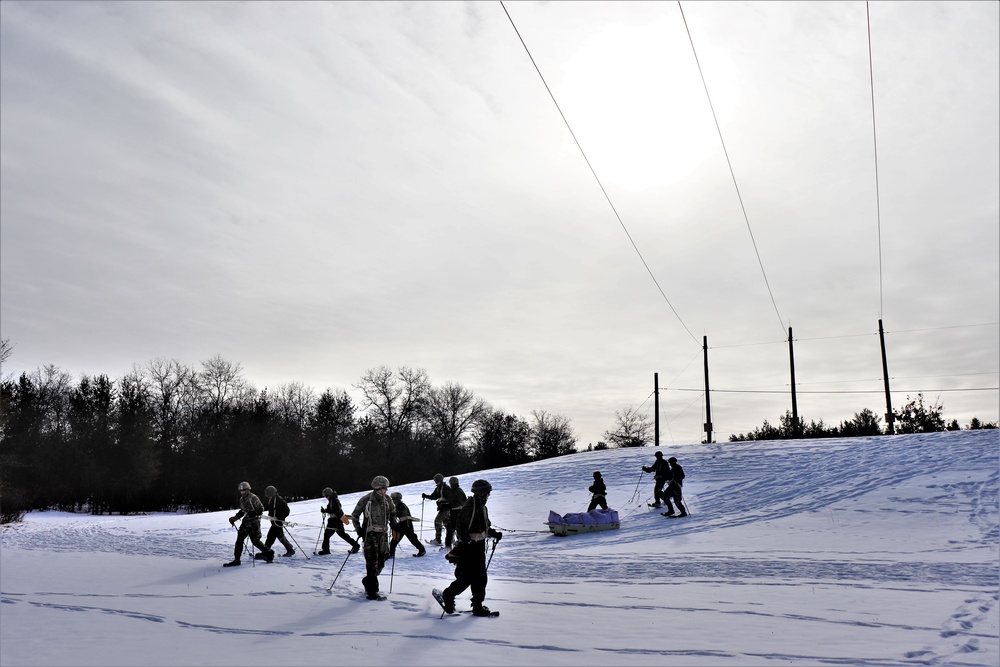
[447, 605]
[484, 612]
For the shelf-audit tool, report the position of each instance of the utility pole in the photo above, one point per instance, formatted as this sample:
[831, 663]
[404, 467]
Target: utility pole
[796, 431]
[708, 396]
[656, 409]
[889, 417]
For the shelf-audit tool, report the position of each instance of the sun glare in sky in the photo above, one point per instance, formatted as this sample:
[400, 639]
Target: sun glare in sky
[635, 102]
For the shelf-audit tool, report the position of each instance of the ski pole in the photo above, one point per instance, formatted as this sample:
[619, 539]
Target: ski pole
[422, 500]
[495, 540]
[392, 571]
[636, 492]
[339, 571]
[297, 544]
[321, 529]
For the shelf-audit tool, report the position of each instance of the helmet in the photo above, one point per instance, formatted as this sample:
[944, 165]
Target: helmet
[396, 495]
[481, 487]
[672, 459]
[659, 455]
[244, 486]
[453, 481]
[270, 491]
[380, 482]
[327, 492]
[597, 474]
[439, 478]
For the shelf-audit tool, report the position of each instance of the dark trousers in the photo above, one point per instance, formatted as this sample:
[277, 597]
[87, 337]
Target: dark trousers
[598, 500]
[674, 493]
[470, 573]
[247, 529]
[276, 532]
[452, 523]
[337, 528]
[658, 494]
[376, 553]
[405, 529]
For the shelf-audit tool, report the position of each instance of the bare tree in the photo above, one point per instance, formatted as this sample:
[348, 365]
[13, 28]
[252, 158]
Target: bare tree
[451, 411]
[54, 390]
[551, 435]
[6, 349]
[174, 395]
[394, 400]
[294, 403]
[633, 429]
[222, 383]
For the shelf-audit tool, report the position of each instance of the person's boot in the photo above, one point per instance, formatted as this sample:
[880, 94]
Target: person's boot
[289, 552]
[269, 555]
[232, 563]
[421, 552]
[449, 603]
[480, 610]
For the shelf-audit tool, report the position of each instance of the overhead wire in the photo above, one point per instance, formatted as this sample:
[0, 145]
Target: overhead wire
[592, 171]
[732, 172]
[878, 210]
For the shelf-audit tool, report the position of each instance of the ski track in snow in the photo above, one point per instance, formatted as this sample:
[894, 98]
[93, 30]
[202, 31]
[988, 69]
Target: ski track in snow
[773, 481]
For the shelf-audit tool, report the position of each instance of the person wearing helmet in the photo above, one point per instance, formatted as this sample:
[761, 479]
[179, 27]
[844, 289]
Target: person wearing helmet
[470, 562]
[277, 512]
[333, 515]
[403, 527]
[378, 512]
[661, 474]
[598, 493]
[250, 511]
[439, 494]
[456, 500]
[674, 489]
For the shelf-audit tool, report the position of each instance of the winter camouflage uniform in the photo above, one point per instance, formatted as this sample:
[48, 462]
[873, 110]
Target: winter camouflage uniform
[334, 525]
[376, 510]
[251, 510]
[403, 527]
[456, 498]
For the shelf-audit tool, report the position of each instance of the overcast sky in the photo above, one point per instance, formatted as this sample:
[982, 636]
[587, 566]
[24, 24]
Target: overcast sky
[315, 189]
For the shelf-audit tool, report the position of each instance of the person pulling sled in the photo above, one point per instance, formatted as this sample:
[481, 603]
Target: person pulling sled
[473, 529]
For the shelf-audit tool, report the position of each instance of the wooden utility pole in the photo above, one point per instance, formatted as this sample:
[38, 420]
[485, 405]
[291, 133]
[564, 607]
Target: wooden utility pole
[889, 417]
[708, 396]
[795, 406]
[656, 409]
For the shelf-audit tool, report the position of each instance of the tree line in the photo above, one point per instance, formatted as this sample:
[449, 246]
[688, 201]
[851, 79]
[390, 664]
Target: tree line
[916, 416]
[169, 436]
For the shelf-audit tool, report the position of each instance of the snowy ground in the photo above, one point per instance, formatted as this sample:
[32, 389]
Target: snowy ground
[879, 551]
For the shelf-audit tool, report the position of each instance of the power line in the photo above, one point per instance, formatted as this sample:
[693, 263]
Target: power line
[589, 166]
[878, 210]
[732, 173]
[842, 391]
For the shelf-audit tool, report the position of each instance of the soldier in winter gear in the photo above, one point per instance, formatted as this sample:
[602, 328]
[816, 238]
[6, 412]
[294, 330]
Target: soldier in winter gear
[334, 515]
[674, 489]
[661, 474]
[378, 511]
[277, 510]
[470, 570]
[456, 500]
[403, 527]
[440, 494]
[250, 511]
[598, 493]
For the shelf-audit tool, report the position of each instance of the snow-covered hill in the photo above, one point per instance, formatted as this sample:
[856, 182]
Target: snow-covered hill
[877, 551]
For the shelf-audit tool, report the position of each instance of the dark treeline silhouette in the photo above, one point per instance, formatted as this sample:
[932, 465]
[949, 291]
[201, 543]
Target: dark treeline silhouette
[167, 436]
[915, 416]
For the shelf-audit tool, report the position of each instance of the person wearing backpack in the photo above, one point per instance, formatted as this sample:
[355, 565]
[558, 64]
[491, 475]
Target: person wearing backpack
[277, 511]
[378, 512]
[333, 513]
[674, 489]
[456, 499]
[403, 527]
[470, 569]
[661, 473]
[440, 496]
